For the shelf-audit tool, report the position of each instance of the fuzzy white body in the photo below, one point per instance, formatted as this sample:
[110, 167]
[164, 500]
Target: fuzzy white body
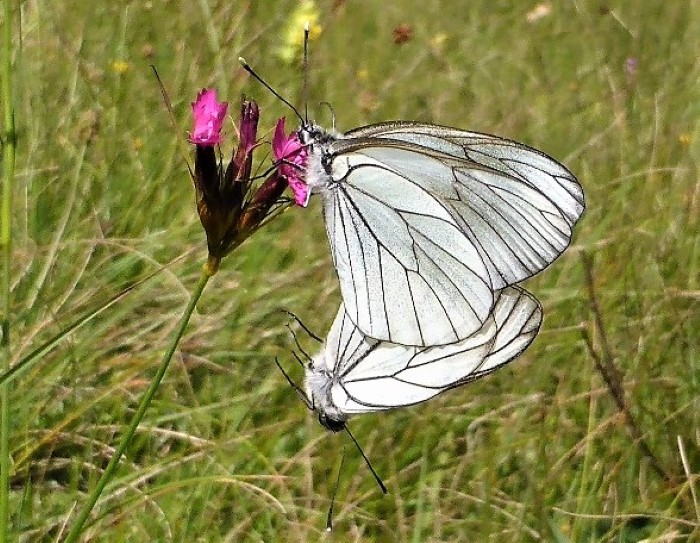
[316, 177]
[320, 145]
[319, 385]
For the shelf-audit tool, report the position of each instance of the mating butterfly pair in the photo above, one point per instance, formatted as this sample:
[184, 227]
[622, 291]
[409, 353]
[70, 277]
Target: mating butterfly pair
[430, 229]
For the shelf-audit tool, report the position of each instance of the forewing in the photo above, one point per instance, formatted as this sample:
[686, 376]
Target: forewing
[407, 272]
[514, 203]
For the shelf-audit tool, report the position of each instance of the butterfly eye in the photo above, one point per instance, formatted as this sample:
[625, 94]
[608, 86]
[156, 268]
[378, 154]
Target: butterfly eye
[331, 424]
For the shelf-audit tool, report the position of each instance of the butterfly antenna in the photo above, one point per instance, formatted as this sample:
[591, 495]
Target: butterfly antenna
[250, 70]
[171, 115]
[298, 321]
[369, 465]
[306, 72]
[296, 387]
[329, 519]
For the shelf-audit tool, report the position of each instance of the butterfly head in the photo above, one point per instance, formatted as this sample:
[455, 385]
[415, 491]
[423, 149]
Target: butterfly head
[330, 423]
[310, 134]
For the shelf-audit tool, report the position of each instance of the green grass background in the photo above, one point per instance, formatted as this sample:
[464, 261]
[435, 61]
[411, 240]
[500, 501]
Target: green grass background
[227, 452]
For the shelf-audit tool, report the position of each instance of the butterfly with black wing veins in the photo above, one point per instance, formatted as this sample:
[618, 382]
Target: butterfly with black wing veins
[428, 223]
[354, 374]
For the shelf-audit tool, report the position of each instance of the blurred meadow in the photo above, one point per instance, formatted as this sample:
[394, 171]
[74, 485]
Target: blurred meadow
[539, 451]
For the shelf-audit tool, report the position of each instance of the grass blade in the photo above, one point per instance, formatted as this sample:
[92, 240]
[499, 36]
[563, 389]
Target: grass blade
[8, 161]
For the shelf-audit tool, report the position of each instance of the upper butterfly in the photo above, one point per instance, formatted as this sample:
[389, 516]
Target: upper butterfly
[427, 223]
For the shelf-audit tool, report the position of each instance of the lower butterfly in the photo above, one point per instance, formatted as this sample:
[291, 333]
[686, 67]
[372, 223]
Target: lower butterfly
[355, 374]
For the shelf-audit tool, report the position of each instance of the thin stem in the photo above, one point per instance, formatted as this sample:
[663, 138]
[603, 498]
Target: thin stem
[77, 527]
[605, 365]
[8, 161]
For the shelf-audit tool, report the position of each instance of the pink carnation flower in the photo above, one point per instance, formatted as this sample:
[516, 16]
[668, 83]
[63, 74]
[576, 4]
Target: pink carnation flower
[291, 156]
[209, 115]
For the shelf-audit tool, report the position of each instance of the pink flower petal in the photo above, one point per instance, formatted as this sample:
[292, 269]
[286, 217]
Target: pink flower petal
[300, 190]
[209, 115]
[279, 140]
[291, 156]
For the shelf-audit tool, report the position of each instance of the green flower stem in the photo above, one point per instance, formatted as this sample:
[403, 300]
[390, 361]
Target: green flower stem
[8, 162]
[77, 527]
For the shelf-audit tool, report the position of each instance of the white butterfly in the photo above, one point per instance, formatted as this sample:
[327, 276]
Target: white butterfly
[427, 223]
[356, 374]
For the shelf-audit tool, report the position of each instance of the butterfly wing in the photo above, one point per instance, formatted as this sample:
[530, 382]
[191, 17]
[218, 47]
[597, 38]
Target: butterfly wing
[516, 205]
[390, 375]
[518, 316]
[344, 345]
[407, 272]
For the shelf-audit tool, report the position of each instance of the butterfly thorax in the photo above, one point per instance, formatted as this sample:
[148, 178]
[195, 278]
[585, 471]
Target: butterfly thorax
[319, 146]
[319, 384]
